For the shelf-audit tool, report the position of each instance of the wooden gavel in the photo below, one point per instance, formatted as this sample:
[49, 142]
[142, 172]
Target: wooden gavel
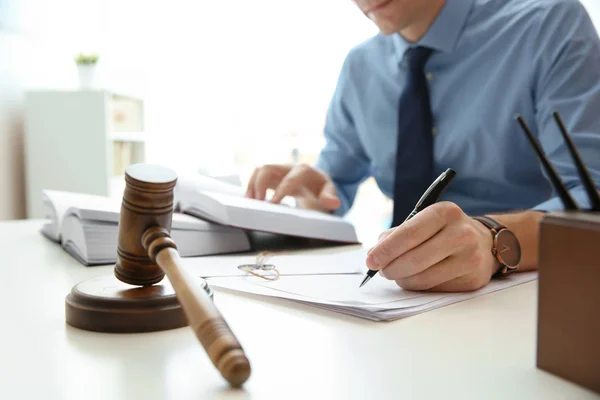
[146, 253]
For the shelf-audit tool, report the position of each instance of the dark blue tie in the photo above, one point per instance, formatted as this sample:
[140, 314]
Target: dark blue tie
[414, 155]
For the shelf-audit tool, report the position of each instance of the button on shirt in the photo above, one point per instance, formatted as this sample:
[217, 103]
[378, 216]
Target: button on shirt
[492, 60]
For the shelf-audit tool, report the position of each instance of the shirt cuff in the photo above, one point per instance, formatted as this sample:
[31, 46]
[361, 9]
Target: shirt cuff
[344, 201]
[554, 204]
[342, 191]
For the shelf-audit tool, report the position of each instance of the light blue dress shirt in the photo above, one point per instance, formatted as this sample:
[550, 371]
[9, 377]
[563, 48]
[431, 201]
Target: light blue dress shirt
[493, 59]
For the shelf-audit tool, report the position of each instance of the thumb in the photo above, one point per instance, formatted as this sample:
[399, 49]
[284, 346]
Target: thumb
[328, 197]
[385, 234]
[382, 236]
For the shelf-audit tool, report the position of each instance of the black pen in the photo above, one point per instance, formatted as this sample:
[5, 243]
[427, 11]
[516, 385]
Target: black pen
[431, 195]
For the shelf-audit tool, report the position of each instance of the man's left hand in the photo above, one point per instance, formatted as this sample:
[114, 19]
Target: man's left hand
[440, 248]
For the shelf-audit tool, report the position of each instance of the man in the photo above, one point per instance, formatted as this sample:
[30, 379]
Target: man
[439, 88]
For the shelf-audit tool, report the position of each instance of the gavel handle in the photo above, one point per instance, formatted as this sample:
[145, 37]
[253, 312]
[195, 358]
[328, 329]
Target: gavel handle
[206, 321]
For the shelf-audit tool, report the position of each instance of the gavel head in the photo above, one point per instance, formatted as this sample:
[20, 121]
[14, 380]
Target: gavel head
[147, 202]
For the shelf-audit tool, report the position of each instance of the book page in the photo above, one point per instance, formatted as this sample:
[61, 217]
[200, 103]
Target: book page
[205, 183]
[202, 183]
[62, 201]
[259, 215]
[107, 209]
[96, 208]
[265, 206]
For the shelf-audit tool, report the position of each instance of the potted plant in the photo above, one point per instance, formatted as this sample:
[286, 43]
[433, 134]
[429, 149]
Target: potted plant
[86, 65]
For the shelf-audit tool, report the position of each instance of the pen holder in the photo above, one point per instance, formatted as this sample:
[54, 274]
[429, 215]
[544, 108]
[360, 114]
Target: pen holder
[568, 337]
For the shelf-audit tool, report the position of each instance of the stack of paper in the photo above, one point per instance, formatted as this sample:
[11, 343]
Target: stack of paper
[86, 226]
[339, 260]
[379, 300]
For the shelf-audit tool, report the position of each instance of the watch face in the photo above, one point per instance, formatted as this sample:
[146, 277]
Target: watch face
[508, 248]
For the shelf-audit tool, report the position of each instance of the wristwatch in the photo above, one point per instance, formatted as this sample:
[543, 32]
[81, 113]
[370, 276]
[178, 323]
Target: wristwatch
[506, 248]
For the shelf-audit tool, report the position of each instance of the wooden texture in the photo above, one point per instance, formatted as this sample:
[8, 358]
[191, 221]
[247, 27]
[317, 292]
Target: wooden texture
[146, 252]
[210, 328]
[147, 201]
[569, 297]
[106, 304]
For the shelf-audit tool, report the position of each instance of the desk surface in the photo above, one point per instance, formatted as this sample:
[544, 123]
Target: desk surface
[460, 351]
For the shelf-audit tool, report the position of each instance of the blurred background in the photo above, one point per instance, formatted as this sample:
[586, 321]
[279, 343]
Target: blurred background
[208, 87]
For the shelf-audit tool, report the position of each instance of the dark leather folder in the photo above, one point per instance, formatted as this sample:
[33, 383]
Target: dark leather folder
[569, 297]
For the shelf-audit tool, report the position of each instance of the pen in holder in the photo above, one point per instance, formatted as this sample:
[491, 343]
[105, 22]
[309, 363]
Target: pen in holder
[569, 277]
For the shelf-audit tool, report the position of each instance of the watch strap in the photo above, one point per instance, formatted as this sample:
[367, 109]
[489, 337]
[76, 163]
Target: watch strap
[496, 227]
[490, 223]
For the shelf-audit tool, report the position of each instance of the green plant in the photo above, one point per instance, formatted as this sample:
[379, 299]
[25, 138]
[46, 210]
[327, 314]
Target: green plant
[86, 59]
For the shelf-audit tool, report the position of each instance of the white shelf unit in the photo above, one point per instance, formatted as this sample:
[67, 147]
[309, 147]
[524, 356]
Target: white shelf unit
[80, 141]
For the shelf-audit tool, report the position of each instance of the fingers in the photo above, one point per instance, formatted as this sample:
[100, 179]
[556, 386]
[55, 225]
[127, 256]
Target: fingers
[315, 189]
[458, 273]
[440, 249]
[267, 178]
[403, 238]
[251, 181]
[291, 183]
[465, 283]
[452, 239]
[439, 274]
[382, 236]
[424, 256]
[328, 197]
[263, 178]
[385, 234]
[412, 233]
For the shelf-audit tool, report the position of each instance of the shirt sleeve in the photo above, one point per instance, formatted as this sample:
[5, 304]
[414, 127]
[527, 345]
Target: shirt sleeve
[568, 81]
[343, 157]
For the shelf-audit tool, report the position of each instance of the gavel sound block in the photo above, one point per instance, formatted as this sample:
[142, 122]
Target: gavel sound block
[136, 300]
[568, 337]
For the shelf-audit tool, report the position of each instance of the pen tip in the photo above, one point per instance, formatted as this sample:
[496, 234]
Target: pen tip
[367, 278]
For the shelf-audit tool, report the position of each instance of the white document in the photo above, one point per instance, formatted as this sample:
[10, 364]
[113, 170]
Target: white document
[328, 261]
[342, 289]
[379, 300]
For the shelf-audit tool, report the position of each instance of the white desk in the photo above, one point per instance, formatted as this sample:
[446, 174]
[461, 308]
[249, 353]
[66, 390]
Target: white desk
[479, 349]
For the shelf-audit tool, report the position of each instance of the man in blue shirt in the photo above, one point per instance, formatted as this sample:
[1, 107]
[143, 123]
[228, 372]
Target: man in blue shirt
[482, 62]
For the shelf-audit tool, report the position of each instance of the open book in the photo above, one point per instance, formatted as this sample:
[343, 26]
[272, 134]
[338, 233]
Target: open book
[212, 217]
[86, 226]
[226, 205]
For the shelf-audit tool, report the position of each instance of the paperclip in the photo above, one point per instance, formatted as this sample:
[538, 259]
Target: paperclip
[252, 268]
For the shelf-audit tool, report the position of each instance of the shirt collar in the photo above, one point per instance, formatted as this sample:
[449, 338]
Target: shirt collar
[443, 34]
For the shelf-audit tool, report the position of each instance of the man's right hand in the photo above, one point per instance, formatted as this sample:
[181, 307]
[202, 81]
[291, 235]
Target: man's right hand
[312, 188]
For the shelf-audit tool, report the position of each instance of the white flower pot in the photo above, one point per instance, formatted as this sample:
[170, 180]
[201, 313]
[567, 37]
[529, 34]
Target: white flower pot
[86, 75]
